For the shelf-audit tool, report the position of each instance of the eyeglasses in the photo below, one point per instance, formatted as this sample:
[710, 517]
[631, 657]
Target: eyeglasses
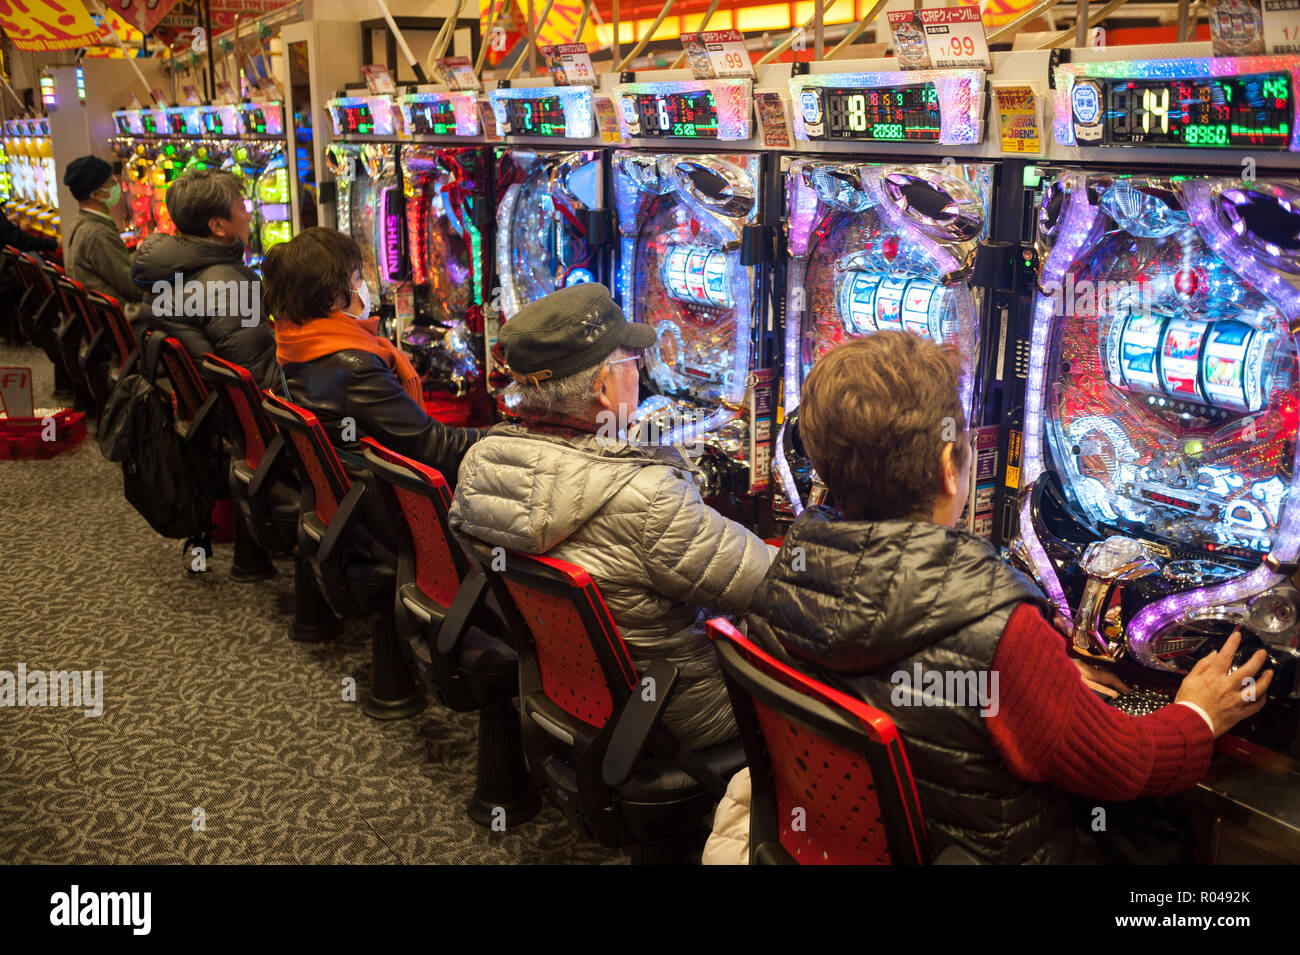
[639, 358]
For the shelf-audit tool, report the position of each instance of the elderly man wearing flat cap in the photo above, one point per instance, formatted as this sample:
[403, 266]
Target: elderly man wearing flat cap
[96, 255]
[630, 516]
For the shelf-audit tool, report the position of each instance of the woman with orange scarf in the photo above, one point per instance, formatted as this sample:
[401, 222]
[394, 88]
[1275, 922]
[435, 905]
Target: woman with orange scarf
[358, 384]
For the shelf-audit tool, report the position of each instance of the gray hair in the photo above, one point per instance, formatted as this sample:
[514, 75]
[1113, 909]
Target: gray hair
[200, 196]
[570, 396]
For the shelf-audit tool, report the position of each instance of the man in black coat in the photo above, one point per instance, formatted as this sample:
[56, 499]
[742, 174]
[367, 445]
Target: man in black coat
[197, 287]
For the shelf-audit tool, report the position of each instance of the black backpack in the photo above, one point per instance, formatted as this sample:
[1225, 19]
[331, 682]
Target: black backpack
[138, 431]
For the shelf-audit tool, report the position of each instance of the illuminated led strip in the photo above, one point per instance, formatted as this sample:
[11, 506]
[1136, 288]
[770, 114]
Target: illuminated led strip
[579, 114]
[464, 107]
[733, 99]
[505, 258]
[961, 98]
[1076, 225]
[1192, 68]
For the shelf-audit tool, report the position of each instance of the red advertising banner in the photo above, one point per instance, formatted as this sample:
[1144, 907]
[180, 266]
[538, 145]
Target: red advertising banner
[144, 15]
[40, 25]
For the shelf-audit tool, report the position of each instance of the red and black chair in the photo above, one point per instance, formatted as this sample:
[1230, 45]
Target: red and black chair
[354, 571]
[87, 341]
[831, 782]
[125, 341]
[450, 635]
[40, 316]
[592, 723]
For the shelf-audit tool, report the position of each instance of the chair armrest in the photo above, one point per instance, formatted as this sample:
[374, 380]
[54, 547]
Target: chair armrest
[270, 459]
[342, 523]
[636, 723]
[199, 423]
[455, 622]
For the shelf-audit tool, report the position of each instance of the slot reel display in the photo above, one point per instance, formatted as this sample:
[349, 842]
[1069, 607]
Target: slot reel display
[447, 192]
[682, 220]
[876, 247]
[543, 241]
[1160, 421]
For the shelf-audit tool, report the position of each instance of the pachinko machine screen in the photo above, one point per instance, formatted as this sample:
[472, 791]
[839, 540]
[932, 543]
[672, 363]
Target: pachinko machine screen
[1161, 413]
[681, 220]
[446, 186]
[875, 248]
[542, 203]
[360, 204]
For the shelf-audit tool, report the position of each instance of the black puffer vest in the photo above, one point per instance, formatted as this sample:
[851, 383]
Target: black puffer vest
[863, 605]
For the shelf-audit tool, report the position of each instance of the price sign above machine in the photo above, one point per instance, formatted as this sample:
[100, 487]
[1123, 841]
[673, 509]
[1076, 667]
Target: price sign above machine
[1220, 103]
[717, 54]
[570, 64]
[950, 38]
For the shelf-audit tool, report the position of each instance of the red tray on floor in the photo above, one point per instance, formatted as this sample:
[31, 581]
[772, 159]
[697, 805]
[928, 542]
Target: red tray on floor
[29, 438]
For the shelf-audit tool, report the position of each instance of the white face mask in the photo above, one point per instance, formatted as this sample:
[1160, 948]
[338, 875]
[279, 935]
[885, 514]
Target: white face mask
[363, 293]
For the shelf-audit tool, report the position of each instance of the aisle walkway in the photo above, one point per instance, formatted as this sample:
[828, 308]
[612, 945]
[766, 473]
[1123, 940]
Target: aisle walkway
[221, 741]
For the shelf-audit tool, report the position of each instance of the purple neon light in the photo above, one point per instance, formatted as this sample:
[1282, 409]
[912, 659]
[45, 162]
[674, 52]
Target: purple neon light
[1076, 226]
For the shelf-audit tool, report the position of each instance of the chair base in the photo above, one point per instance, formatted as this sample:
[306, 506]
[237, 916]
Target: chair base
[251, 575]
[401, 709]
[393, 693]
[487, 812]
[313, 620]
[504, 793]
[684, 849]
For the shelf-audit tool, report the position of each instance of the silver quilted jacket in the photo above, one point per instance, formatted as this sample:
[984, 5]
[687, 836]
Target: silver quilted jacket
[633, 519]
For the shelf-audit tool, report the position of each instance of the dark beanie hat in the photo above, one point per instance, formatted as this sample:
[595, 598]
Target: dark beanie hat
[85, 174]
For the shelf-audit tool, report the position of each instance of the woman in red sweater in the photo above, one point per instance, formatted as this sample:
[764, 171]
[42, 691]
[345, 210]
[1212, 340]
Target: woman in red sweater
[882, 592]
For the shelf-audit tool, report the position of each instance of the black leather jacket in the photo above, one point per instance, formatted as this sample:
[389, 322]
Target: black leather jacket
[359, 386]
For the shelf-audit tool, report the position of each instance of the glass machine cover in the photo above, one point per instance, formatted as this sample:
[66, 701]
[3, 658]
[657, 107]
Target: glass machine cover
[1161, 416]
[680, 221]
[366, 179]
[874, 247]
[445, 188]
[542, 241]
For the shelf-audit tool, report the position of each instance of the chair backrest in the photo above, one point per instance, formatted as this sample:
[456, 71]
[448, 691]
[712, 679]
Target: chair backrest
[187, 384]
[76, 304]
[423, 498]
[831, 782]
[110, 312]
[568, 644]
[316, 456]
[37, 274]
[243, 399]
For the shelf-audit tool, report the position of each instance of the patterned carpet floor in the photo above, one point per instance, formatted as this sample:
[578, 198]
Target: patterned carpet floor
[221, 741]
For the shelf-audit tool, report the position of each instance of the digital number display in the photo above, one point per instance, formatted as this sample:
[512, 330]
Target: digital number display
[357, 120]
[543, 116]
[434, 117]
[1215, 112]
[901, 114]
[692, 115]
[154, 122]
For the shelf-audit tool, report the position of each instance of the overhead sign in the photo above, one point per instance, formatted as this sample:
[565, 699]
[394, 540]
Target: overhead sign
[144, 15]
[41, 25]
